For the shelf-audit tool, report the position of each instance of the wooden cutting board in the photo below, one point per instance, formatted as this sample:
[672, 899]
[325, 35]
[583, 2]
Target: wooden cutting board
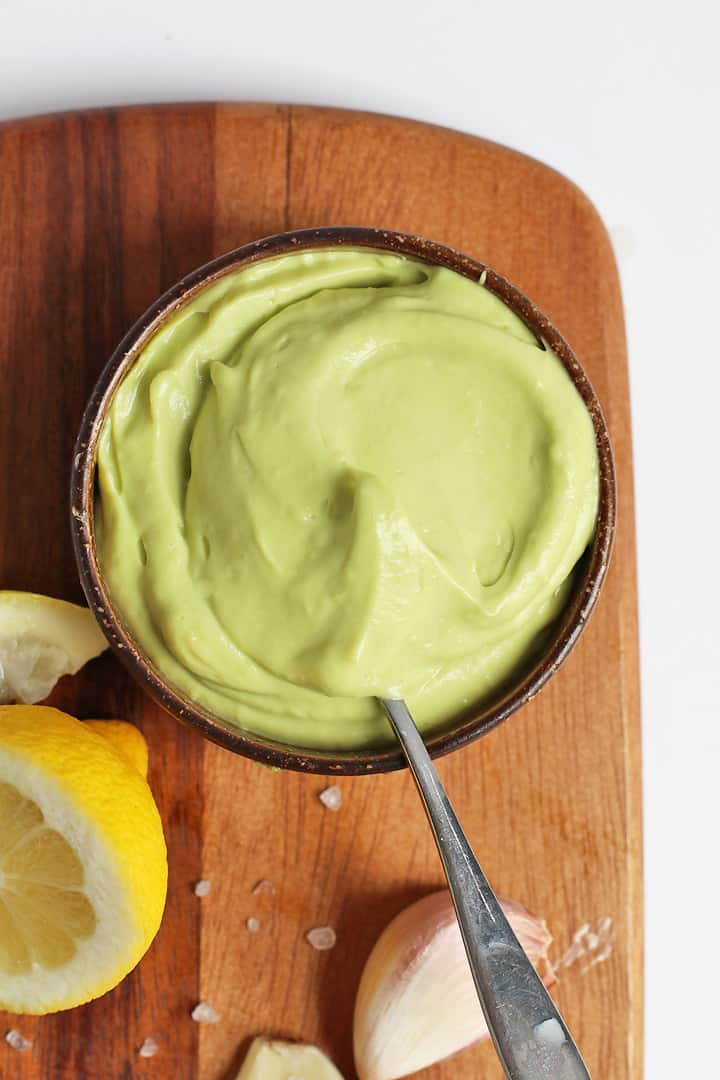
[99, 213]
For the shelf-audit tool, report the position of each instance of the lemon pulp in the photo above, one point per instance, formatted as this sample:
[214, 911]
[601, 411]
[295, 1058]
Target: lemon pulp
[43, 910]
[42, 639]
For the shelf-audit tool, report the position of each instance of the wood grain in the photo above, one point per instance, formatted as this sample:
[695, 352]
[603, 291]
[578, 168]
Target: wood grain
[101, 211]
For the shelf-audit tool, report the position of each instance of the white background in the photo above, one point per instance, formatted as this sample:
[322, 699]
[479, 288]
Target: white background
[624, 98]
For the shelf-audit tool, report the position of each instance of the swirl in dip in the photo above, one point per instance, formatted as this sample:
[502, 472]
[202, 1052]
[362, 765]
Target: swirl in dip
[338, 474]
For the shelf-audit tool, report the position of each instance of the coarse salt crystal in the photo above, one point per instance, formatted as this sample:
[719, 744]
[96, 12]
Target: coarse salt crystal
[331, 797]
[149, 1048]
[252, 924]
[203, 1013]
[202, 888]
[550, 1033]
[16, 1040]
[264, 886]
[321, 938]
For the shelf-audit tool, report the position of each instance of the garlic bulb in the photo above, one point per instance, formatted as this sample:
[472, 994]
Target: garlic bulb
[417, 1003]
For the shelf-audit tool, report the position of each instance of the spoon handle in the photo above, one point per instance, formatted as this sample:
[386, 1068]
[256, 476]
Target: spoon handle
[529, 1034]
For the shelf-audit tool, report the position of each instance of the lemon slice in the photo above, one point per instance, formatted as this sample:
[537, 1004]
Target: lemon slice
[127, 740]
[83, 867]
[41, 639]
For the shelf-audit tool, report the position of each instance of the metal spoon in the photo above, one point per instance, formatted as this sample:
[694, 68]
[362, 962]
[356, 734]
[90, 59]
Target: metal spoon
[529, 1033]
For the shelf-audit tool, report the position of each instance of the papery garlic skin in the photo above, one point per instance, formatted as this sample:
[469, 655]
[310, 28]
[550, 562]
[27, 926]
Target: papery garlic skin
[417, 1003]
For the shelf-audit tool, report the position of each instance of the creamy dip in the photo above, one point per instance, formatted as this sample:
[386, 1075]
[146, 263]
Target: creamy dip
[339, 474]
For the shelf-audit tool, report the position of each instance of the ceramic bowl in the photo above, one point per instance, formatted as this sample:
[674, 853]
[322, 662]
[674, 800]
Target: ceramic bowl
[516, 693]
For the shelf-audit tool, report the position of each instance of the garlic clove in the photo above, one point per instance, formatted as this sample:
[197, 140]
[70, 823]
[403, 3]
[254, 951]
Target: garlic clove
[416, 1003]
[270, 1059]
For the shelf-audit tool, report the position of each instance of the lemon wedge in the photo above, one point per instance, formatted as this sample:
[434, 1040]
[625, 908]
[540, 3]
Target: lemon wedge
[41, 639]
[83, 866]
[127, 740]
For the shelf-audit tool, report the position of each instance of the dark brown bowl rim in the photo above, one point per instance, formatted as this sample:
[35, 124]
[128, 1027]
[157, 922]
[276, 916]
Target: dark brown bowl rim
[82, 487]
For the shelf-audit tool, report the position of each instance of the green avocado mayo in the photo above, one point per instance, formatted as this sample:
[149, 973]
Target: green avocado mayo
[340, 474]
